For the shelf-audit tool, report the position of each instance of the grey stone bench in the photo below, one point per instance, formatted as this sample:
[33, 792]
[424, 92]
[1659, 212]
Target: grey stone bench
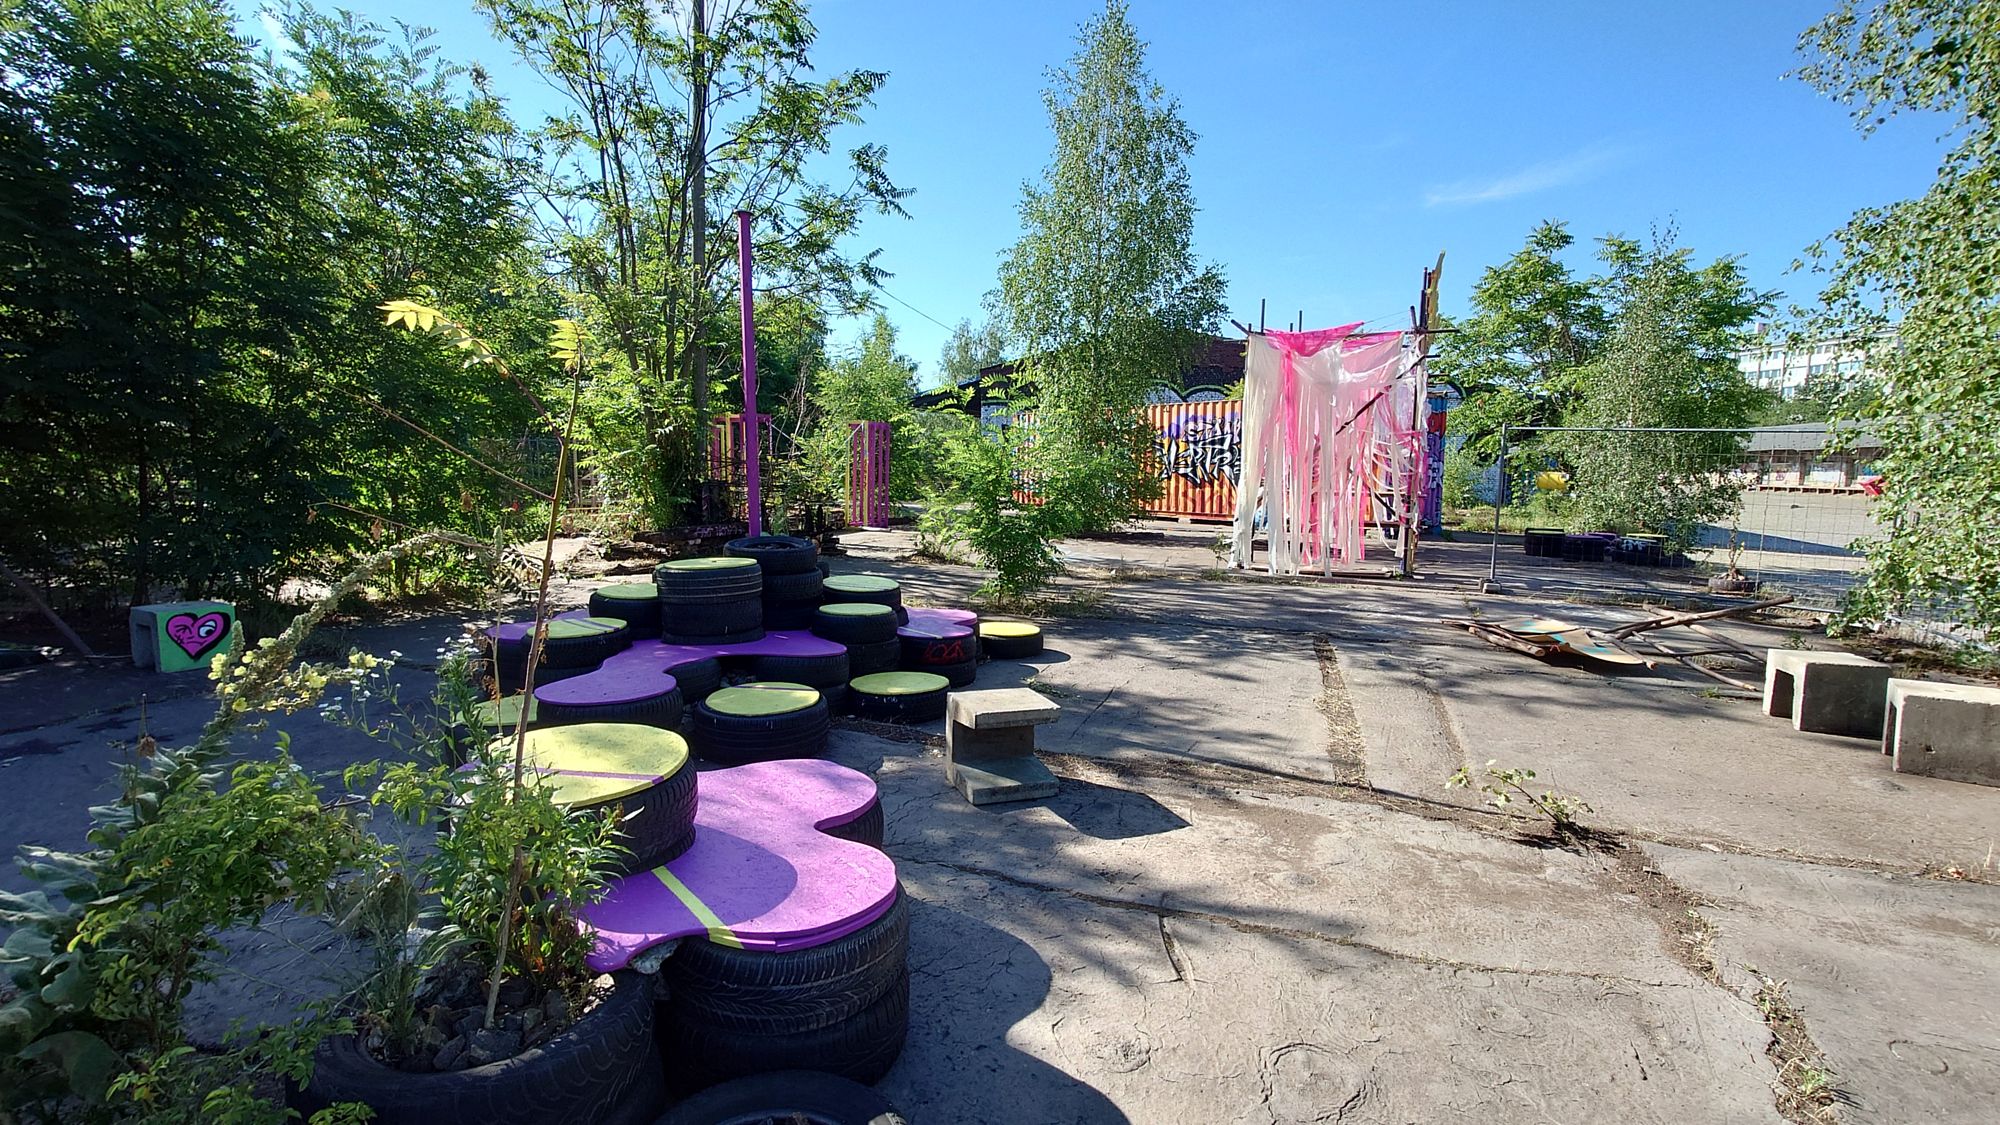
[989, 745]
[1950, 731]
[1825, 692]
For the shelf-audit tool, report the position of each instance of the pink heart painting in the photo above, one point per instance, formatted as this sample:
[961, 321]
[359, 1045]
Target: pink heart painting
[196, 635]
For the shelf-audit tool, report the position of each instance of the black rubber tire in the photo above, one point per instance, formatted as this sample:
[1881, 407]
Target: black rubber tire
[849, 629]
[711, 619]
[708, 585]
[767, 993]
[861, 1047]
[878, 656]
[794, 616]
[657, 825]
[891, 598]
[961, 674]
[805, 586]
[922, 707]
[663, 711]
[734, 740]
[776, 554]
[929, 654]
[803, 1096]
[642, 615]
[820, 672]
[585, 652]
[864, 829]
[513, 673]
[1010, 648]
[607, 1067]
[697, 679]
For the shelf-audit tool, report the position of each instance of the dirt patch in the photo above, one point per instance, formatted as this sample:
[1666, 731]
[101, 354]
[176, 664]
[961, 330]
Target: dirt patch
[1806, 1091]
[1344, 745]
[1686, 936]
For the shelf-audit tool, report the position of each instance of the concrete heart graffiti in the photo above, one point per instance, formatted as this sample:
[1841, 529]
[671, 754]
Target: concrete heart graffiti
[196, 635]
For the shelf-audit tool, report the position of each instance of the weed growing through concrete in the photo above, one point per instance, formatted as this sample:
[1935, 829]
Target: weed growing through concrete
[1505, 786]
[1806, 1093]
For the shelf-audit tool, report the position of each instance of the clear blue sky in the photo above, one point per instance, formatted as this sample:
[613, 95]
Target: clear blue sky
[1342, 146]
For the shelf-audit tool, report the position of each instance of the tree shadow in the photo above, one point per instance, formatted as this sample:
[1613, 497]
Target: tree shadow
[1103, 812]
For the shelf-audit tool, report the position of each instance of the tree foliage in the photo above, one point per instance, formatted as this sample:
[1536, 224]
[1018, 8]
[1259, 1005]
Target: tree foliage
[968, 350]
[1931, 264]
[1103, 293]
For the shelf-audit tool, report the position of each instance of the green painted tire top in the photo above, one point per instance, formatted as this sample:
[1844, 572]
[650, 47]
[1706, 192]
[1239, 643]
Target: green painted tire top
[570, 628]
[503, 714]
[572, 753]
[761, 700]
[630, 592]
[1008, 629]
[856, 609]
[861, 584]
[716, 562]
[899, 683]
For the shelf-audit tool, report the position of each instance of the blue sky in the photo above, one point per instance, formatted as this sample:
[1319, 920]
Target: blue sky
[1344, 145]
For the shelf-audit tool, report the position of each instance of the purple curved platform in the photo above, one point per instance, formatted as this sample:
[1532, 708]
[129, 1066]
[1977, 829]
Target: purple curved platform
[514, 632]
[942, 617]
[761, 874]
[933, 630]
[635, 672]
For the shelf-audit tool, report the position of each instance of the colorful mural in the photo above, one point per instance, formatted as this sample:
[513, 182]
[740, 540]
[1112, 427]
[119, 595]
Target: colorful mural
[1198, 447]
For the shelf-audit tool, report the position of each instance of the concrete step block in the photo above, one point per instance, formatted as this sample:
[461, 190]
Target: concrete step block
[1943, 730]
[1826, 692]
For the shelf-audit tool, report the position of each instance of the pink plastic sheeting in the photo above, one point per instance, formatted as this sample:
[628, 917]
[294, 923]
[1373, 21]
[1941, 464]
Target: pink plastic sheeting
[1332, 429]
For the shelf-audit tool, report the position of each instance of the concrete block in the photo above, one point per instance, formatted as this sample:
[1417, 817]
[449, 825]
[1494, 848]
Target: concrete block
[1942, 730]
[180, 636]
[989, 745]
[1825, 692]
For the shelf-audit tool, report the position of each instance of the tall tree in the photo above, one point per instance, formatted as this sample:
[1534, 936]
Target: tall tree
[1933, 264]
[967, 350]
[1103, 292]
[678, 114]
[1668, 362]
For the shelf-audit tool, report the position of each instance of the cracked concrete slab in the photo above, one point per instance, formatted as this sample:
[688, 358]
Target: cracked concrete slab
[1082, 1014]
[1894, 976]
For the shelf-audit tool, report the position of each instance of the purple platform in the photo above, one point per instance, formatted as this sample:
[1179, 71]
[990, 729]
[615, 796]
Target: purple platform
[941, 617]
[644, 669]
[514, 632]
[761, 874]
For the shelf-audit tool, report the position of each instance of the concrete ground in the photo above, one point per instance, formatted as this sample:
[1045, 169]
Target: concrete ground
[1254, 900]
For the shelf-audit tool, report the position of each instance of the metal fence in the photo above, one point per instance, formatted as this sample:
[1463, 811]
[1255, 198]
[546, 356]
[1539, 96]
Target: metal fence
[1656, 508]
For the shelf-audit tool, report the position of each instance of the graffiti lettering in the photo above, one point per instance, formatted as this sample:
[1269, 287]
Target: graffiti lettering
[1202, 450]
[945, 652]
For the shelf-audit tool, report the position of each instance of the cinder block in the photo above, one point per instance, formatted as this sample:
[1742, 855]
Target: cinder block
[1825, 692]
[1942, 730]
[989, 745]
[180, 636]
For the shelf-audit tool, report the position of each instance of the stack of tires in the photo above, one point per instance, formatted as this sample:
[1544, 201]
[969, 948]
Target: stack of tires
[506, 647]
[868, 629]
[842, 1007]
[948, 650]
[829, 673]
[792, 578]
[760, 722]
[899, 697]
[710, 601]
[868, 588]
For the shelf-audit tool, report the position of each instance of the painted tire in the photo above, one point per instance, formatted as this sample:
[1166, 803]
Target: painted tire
[728, 622]
[852, 623]
[788, 1095]
[1009, 640]
[790, 615]
[716, 578]
[907, 697]
[658, 824]
[877, 656]
[635, 603]
[606, 1068]
[656, 821]
[925, 654]
[864, 829]
[820, 672]
[806, 586]
[959, 675]
[583, 642]
[777, 554]
[722, 735]
[764, 993]
[861, 1047]
[662, 710]
[871, 588]
[698, 678]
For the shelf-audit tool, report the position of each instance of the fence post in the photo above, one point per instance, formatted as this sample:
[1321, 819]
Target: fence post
[1499, 494]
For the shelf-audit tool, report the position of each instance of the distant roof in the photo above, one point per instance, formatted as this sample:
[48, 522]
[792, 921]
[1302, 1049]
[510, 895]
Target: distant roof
[1806, 437]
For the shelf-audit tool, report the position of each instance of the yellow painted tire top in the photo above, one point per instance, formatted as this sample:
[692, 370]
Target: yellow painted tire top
[498, 713]
[861, 584]
[1008, 629]
[899, 683]
[751, 701]
[571, 753]
[630, 592]
[856, 609]
[567, 627]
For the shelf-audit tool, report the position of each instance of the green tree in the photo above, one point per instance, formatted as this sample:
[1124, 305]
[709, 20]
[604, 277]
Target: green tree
[967, 350]
[1533, 324]
[1933, 264]
[1103, 292]
[1669, 361]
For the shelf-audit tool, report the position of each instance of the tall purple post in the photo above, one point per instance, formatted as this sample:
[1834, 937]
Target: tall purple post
[752, 435]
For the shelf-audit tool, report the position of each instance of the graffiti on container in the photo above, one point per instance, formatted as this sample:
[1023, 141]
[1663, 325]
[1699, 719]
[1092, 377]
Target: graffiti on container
[1201, 449]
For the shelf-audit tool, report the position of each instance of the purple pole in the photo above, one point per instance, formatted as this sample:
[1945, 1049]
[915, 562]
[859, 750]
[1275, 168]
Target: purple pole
[752, 433]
